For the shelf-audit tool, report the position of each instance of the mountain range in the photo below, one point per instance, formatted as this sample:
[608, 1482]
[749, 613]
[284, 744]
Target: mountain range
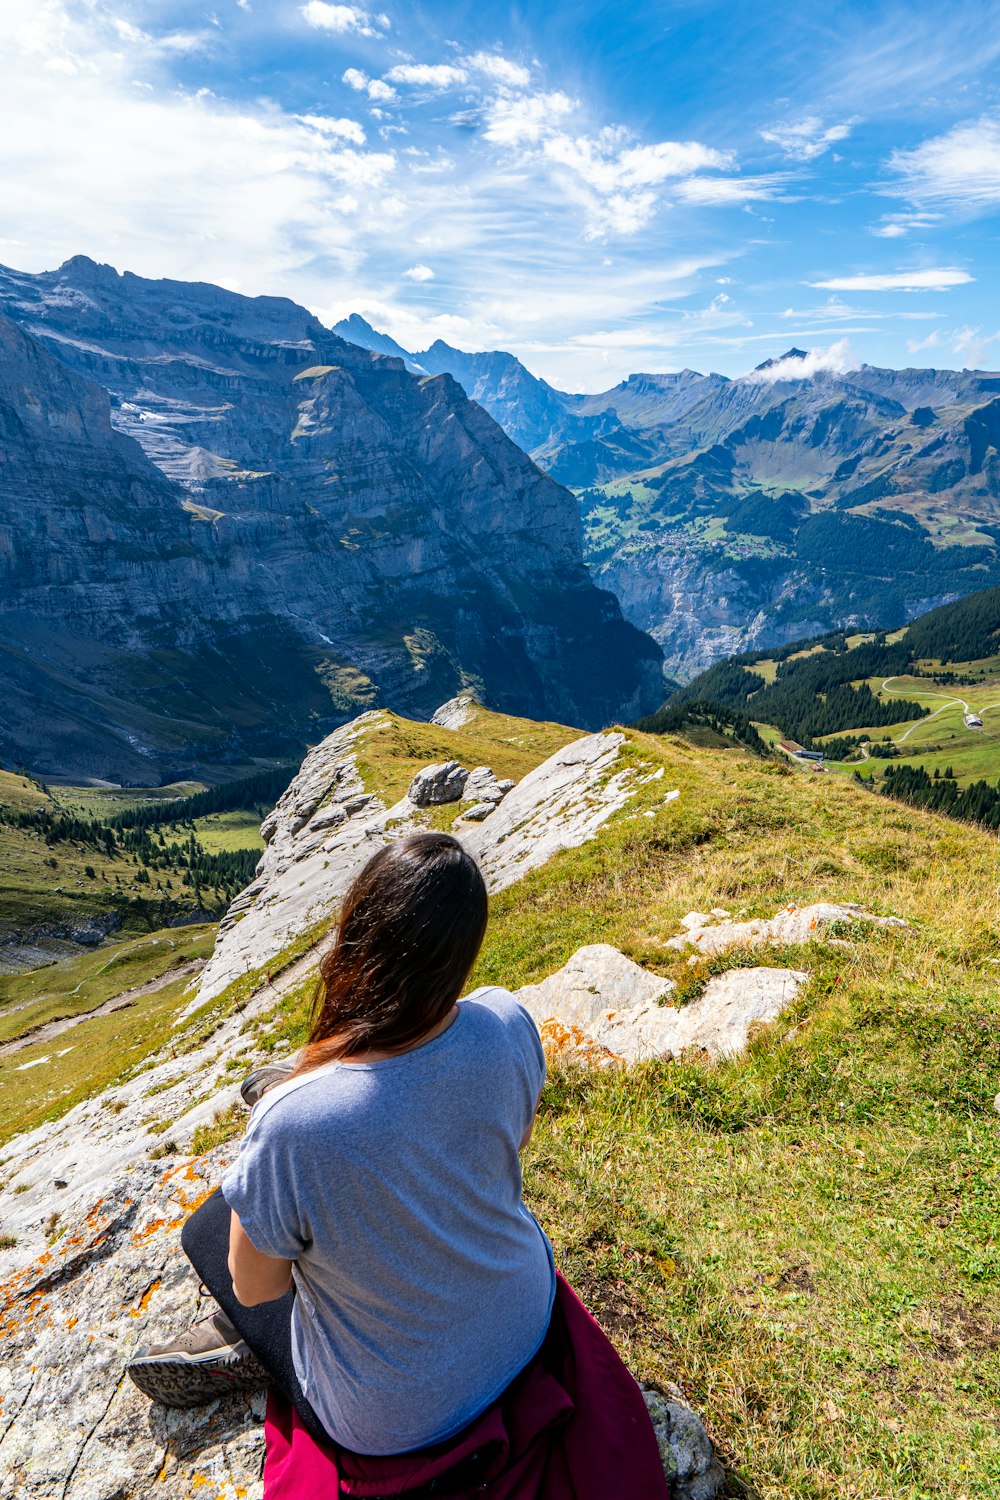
[732, 514]
[224, 529]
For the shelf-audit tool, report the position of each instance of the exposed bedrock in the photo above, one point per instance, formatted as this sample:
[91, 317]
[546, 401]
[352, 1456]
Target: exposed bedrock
[225, 530]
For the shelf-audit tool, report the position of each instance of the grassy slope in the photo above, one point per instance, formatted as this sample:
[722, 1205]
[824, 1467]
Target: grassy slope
[938, 741]
[82, 983]
[35, 893]
[802, 1238]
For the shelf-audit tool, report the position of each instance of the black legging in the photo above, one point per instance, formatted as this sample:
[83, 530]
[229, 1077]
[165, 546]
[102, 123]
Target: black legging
[266, 1328]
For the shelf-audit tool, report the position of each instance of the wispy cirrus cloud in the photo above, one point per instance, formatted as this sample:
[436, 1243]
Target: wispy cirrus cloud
[957, 171]
[428, 75]
[806, 138]
[922, 279]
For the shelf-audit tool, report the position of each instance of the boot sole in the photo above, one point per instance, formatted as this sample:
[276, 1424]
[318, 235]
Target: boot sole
[182, 1383]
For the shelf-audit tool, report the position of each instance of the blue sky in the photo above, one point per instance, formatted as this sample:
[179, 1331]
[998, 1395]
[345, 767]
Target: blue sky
[600, 188]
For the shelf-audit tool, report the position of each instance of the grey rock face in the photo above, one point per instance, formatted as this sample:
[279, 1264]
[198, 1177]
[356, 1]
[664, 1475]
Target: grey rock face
[689, 1460]
[483, 786]
[263, 507]
[435, 785]
[456, 712]
[602, 997]
[478, 812]
[706, 446]
[793, 924]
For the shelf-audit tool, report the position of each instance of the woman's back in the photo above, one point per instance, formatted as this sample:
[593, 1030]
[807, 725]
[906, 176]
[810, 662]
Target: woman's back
[423, 1284]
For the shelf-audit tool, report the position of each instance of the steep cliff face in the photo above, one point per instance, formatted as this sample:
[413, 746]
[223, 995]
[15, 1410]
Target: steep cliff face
[726, 514]
[313, 529]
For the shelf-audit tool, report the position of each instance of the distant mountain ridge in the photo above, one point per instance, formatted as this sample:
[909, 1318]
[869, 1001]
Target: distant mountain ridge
[256, 529]
[727, 514]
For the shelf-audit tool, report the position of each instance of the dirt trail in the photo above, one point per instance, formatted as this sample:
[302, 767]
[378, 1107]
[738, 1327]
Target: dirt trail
[949, 701]
[48, 1030]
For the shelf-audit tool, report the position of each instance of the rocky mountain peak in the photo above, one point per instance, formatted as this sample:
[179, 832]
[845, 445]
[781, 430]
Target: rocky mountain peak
[793, 353]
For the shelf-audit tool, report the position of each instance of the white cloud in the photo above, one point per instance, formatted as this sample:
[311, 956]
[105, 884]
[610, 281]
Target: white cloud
[896, 226]
[373, 87]
[499, 68]
[603, 164]
[933, 339]
[263, 202]
[346, 130]
[610, 176]
[806, 138]
[832, 361]
[959, 170]
[930, 280]
[972, 346]
[419, 273]
[342, 20]
[717, 192]
[428, 75]
[525, 121]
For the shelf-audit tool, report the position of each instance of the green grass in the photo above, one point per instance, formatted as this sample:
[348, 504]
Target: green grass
[221, 833]
[393, 749]
[80, 984]
[106, 802]
[43, 1080]
[51, 887]
[804, 1238]
[21, 793]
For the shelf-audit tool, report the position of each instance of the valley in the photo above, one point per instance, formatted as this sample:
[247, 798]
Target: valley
[924, 727]
[729, 515]
[793, 1231]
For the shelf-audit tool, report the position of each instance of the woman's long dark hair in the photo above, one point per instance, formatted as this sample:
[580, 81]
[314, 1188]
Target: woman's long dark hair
[410, 928]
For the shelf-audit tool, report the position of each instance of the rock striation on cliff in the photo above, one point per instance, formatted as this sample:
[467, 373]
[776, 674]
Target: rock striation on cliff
[260, 530]
[727, 515]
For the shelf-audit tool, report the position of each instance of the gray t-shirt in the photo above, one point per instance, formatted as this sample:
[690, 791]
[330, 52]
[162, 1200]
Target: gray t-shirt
[423, 1283]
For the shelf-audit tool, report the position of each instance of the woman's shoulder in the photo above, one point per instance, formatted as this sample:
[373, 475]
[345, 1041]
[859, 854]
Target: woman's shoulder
[499, 1002]
[498, 1011]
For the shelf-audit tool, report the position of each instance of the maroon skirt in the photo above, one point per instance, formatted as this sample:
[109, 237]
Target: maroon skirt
[573, 1425]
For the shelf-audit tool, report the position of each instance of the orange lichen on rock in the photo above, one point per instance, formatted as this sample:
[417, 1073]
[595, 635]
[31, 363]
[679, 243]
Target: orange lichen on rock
[137, 1312]
[572, 1043]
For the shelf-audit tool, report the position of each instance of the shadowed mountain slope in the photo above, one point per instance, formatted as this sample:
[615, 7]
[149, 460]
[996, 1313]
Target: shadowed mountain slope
[300, 529]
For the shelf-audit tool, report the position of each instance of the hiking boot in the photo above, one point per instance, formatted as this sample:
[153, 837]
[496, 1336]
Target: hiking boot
[258, 1082]
[208, 1361]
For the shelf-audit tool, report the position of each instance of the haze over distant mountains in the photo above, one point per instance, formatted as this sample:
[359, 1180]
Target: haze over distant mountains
[224, 530]
[729, 514]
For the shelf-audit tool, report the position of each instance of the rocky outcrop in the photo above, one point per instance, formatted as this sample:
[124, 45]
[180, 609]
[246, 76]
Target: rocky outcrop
[93, 1201]
[716, 932]
[327, 824]
[73, 1424]
[602, 1006]
[435, 785]
[300, 529]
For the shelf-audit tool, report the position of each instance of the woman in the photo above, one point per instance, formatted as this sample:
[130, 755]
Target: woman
[382, 1182]
[371, 1248]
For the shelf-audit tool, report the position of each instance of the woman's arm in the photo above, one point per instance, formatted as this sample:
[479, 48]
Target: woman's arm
[256, 1277]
